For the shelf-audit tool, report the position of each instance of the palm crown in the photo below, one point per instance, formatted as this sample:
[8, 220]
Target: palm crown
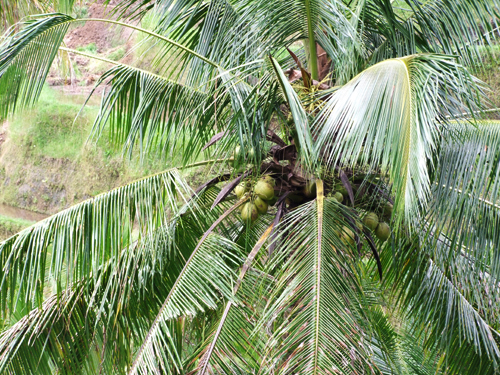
[375, 117]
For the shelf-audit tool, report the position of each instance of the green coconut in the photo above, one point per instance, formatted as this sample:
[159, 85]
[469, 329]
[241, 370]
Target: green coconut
[371, 220]
[347, 236]
[239, 190]
[360, 226]
[269, 180]
[338, 196]
[341, 189]
[264, 190]
[249, 212]
[383, 231]
[388, 209]
[310, 189]
[261, 205]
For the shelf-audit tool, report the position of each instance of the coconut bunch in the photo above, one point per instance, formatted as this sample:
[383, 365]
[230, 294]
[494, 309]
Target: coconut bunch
[261, 196]
[381, 229]
[374, 221]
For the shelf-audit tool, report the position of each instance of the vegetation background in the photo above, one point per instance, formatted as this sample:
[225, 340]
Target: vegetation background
[47, 162]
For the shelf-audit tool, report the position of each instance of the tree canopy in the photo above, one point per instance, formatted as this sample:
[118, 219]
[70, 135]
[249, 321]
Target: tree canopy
[354, 225]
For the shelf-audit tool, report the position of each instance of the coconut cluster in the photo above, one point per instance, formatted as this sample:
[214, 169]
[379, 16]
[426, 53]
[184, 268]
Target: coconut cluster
[380, 228]
[261, 197]
[370, 220]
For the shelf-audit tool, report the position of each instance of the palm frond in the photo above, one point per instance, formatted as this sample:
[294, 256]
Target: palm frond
[209, 268]
[436, 26]
[74, 243]
[299, 115]
[459, 237]
[385, 342]
[314, 310]
[438, 304]
[232, 347]
[402, 137]
[112, 309]
[25, 60]
[465, 210]
[63, 324]
[11, 11]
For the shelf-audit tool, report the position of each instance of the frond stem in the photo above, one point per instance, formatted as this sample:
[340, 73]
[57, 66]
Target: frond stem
[313, 54]
[168, 40]
[320, 203]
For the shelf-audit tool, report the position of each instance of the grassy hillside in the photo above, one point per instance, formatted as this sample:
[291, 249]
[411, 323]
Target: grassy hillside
[46, 164]
[10, 226]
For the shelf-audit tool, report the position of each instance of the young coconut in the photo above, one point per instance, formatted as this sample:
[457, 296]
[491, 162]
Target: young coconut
[347, 236]
[388, 209]
[264, 190]
[383, 231]
[371, 220]
[339, 197]
[239, 190]
[249, 212]
[269, 180]
[261, 205]
[341, 189]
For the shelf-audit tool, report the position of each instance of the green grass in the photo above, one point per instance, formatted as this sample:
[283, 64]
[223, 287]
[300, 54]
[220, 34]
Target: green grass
[47, 163]
[10, 226]
[50, 129]
[89, 48]
[116, 54]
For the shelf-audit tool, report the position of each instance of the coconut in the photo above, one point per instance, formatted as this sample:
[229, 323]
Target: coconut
[239, 190]
[339, 197]
[264, 190]
[261, 205]
[249, 212]
[371, 220]
[267, 178]
[347, 236]
[341, 189]
[383, 231]
[359, 224]
[388, 209]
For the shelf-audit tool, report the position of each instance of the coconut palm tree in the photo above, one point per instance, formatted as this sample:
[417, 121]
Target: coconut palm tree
[353, 225]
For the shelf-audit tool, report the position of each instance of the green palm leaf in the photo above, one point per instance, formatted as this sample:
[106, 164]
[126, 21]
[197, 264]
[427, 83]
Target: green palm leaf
[124, 295]
[402, 137]
[76, 242]
[315, 306]
[207, 268]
